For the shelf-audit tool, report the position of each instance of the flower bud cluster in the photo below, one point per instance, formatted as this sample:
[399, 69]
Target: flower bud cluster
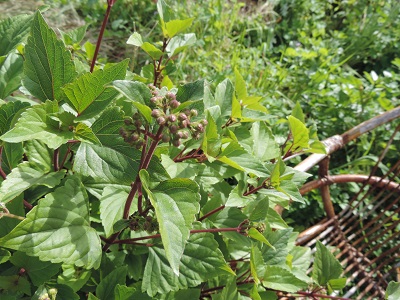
[147, 223]
[178, 124]
[131, 131]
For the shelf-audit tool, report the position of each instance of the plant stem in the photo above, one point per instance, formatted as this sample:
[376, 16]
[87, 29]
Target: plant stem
[155, 236]
[100, 38]
[65, 157]
[56, 156]
[211, 213]
[2, 173]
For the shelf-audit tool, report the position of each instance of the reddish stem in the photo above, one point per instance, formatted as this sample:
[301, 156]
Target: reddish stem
[211, 213]
[100, 38]
[65, 157]
[56, 157]
[308, 294]
[155, 236]
[2, 173]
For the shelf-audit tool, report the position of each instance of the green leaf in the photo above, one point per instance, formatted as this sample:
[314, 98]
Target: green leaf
[85, 134]
[74, 36]
[237, 199]
[229, 292]
[48, 66]
[191, 91]
[135, 39]
[152, 50]
[279, 278]
[179, 43]
[11, 156]
[240, 86]
[279, 239]
[255, 234]
[39, 155]
[106, 287]
[58, 229]
[138, 93]
[336, 284]
[201, 261]
[15, 207]
[89, 95]
[164, 11]
[326, 266]
[23, 177]
[10, 74]
[211, 143]
[393, 291]
[224, 93]
[15, 283]
[176, 201]
[300, 134]
[36, 123]
[4, 255]
[257, 267]
[38, 271]
[9, 112]
[74, 277]
[235, 156]
[112, 204]
[116, 168]
[264, 144]
[14, 31]
[175, 27]
[297, 112]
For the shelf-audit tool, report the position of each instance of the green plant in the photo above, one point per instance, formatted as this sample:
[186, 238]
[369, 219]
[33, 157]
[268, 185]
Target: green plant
[124, 186]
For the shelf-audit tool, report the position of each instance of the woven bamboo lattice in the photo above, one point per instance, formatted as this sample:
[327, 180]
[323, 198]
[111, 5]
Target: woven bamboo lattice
[365, 235]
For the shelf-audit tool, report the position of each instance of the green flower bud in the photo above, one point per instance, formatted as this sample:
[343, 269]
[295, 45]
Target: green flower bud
[165, 138]
[193, 113]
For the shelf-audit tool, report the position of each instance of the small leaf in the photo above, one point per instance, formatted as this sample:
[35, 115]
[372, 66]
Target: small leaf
[297, 112]
[152, 50]
[175, 27]
[112, 204]
[224, 96]
[138, 94]
[106, 287]
[58, 229]
[74, 36]
[326, 266]
[9, 112]
[10, 74]
[337, 284]
[74, 277]
[84, 134]
[13, 32]
[264, 144]
[179, 43]
[4, 255]
[15, 283]
[88, 94]
[257, 267]
[393, 291]
[255, 234]
[48, 66]
[299, 132]
[23, 177]
[191, 91]
[240, 86]
[278, 278]
[176, 202]
[135, 39]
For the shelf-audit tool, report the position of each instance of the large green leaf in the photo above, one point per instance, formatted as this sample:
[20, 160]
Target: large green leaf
[36, 123]
[88, 94]
[326, 266]
[180, 43]
[300, 134]
[106, 287]
[13, 31]
[58, 229]
[201, 261]
[40, 157]
[280, 279]
[10, 74]
[176, 201]
[23, 177]
[48, 65]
